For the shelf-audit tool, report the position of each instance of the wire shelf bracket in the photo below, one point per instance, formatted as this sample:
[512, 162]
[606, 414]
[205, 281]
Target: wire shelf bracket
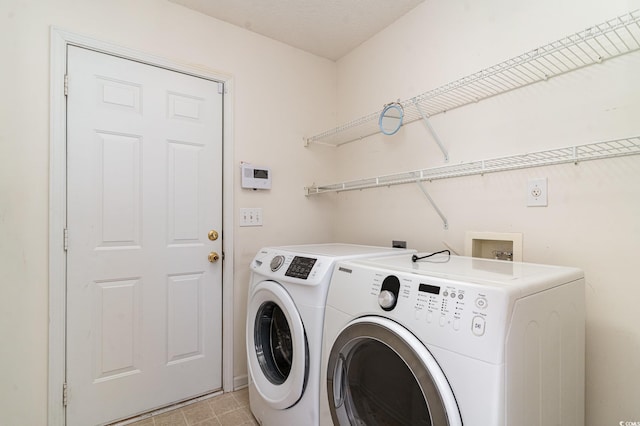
[612, 38]
[431, 130]
[433, 204]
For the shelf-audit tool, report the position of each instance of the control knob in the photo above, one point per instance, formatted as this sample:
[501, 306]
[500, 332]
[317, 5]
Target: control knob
[276, 262]
[386, 299]
[388, 296]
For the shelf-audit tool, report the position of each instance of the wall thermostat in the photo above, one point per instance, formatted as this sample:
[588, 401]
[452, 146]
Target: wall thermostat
[255, 177]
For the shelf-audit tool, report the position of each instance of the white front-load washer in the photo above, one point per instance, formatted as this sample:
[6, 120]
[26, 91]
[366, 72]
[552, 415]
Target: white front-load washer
[285, 312]
[454, 341]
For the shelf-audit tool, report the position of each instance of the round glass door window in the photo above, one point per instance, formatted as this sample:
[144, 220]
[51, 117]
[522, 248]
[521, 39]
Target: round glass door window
[277, 347]
[382, 387]
[380, 374]
[274, 347]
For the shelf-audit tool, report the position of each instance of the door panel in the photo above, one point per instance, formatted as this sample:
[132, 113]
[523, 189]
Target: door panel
[183, 192]
[118, 179]
[144, 311]
[185, 333]
[116, 331]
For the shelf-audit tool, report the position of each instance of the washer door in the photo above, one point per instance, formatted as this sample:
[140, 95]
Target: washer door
[277, 347]
[379, 373]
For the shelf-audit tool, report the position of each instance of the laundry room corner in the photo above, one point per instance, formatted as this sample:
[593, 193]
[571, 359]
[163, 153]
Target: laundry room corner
[590, 220]
[287, 215]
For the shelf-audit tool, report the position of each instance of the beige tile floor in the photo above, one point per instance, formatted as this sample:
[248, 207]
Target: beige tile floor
[229, 409]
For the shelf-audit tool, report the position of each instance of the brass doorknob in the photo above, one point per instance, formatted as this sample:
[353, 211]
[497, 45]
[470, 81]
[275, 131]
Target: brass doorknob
[213, 235]
[213, 257]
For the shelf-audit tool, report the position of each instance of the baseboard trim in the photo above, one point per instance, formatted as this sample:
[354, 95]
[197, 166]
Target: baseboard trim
[240, 382]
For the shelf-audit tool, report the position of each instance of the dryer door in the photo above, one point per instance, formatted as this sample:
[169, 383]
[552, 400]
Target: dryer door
[277, 348]
[380, 373]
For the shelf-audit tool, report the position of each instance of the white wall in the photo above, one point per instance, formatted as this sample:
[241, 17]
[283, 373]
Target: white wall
[279, 94]
[592, 220]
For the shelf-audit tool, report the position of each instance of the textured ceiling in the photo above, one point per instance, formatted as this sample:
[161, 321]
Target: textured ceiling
[327, 28]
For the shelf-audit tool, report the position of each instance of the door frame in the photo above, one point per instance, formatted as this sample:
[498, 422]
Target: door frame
[60, 39]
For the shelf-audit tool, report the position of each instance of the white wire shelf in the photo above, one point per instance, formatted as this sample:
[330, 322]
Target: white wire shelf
[609, 39]
[572, 154]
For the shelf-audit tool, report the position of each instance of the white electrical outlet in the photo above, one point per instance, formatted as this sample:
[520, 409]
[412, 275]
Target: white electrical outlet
[537, 192]
[251, 216]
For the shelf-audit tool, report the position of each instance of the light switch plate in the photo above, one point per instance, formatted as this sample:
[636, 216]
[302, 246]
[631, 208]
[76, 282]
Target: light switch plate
[251, 216]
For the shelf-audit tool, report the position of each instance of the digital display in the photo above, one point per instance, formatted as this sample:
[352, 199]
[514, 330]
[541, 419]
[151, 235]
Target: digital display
[260, 174]
[300, 267]
[426, 288]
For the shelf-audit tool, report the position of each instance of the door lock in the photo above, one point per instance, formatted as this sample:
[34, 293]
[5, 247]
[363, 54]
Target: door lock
[213, 257]
[213, 235]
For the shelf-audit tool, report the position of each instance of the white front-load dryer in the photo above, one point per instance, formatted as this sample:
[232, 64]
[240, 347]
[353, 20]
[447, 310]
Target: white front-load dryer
[451, 341]
[285, 312]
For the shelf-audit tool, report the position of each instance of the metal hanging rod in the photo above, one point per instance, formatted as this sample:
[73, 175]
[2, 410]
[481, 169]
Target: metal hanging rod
[572, 154]
[609, 39]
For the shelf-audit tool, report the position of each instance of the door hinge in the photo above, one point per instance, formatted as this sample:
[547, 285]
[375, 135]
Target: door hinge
[66, 84]
[65, 397]
[220, 88]
[65, 238]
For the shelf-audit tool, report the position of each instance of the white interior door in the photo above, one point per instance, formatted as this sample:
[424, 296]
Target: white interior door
[144, 312]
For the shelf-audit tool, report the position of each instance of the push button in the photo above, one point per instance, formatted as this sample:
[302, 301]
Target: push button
[481, 302]
[478, 325]
[456, 324]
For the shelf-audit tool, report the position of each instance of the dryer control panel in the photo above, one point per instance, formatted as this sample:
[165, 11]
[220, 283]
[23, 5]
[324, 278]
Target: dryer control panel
[458, 316]
[444, 303]
[449, 304]
[461, 304]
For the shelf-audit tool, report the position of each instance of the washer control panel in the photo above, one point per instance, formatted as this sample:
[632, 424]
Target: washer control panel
[304, 269]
